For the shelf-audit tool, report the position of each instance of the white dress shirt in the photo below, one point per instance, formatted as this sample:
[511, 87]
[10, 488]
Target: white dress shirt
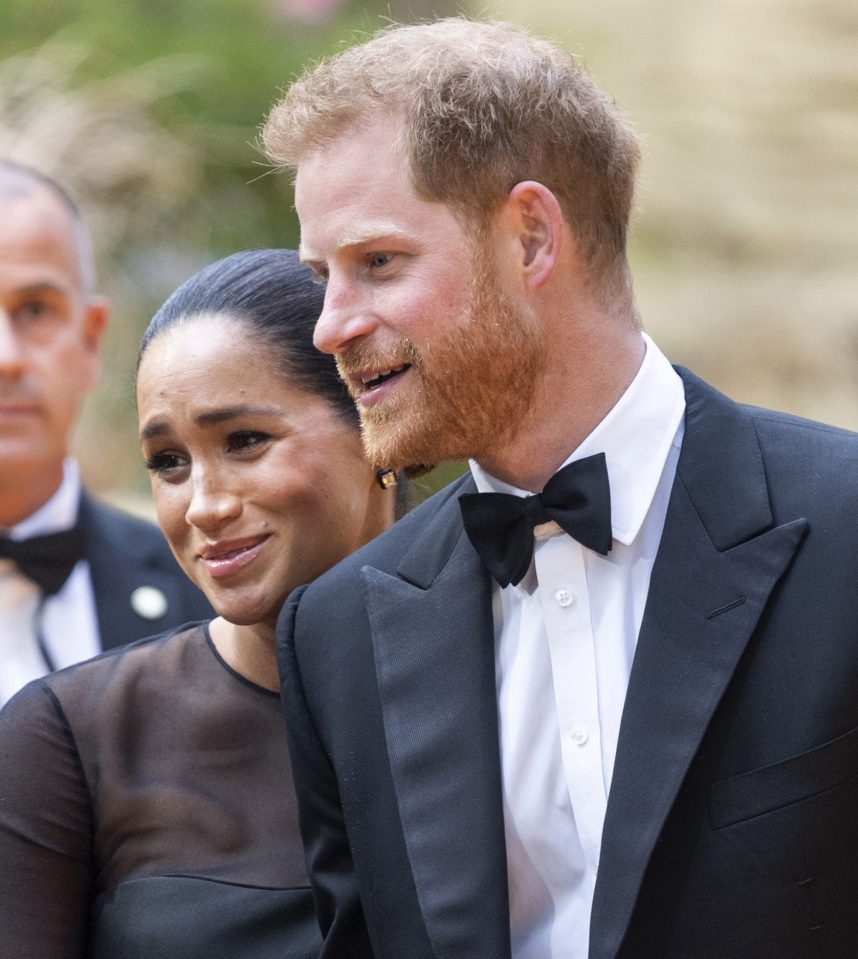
[69, 619]
[565, 638]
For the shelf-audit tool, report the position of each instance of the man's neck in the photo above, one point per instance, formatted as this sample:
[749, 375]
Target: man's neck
[18, 501]
[569, 403]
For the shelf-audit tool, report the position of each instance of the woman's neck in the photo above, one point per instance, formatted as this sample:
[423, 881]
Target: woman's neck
[249, 650]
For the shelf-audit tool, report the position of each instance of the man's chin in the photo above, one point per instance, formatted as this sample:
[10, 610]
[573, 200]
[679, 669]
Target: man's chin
[389, 447]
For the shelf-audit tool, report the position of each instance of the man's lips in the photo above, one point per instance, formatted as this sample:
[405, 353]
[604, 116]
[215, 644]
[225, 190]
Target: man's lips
[369, 386]
[17, 416]
[227, 557]
[372, 381]
[17, 407]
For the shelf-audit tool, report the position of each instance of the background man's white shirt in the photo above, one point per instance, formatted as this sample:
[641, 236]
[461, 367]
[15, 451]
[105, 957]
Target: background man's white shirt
[69, 619]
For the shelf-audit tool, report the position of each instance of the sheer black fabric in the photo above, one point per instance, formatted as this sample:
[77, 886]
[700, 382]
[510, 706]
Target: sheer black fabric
[147, 810]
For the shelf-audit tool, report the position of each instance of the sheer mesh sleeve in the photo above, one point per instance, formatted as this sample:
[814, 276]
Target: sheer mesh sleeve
[147, 809]
[46, 870]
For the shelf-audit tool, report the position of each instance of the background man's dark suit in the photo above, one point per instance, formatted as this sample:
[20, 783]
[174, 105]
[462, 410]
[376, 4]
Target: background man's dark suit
[125, 554]
[732, 823]
[51, 328]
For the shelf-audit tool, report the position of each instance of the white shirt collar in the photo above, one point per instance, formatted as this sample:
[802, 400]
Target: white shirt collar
[60, 511]
[635, 437]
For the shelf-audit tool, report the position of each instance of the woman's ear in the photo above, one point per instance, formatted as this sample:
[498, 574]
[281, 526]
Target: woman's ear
[532, 218]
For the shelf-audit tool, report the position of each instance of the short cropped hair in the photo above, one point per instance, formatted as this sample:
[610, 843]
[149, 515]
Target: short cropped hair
[485, 105]
[18, 180]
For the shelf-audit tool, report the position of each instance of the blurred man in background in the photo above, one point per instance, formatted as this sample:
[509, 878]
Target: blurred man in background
[76, 576]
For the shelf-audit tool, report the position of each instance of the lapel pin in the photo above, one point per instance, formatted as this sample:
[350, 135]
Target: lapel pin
[149, 602]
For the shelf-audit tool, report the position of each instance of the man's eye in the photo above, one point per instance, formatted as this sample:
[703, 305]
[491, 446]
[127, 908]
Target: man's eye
[379, 260]
[32, 310]
[245, 440]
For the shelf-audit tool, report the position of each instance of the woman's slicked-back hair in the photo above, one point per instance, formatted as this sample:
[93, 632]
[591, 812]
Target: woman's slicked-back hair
[273, 297]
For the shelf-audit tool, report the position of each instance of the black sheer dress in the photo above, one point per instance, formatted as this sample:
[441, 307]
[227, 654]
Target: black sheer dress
[147, 812]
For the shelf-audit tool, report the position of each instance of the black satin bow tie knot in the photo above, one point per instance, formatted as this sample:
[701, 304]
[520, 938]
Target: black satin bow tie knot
[46, 560]
[500, 526]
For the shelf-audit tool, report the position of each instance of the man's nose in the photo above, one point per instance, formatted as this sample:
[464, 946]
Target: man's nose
[345, 317]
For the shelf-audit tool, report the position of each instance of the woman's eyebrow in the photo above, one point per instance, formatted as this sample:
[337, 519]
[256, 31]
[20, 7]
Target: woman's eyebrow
[213, 417]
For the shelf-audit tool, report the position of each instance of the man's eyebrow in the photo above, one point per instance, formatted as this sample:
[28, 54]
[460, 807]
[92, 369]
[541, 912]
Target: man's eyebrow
[378, 232]
[307, 258]
[44, 286]
[213, 417]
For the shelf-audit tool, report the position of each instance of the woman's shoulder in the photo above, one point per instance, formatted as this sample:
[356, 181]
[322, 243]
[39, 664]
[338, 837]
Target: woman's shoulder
[136, 655]
[87, 690]
[24, 712]
[39, 755]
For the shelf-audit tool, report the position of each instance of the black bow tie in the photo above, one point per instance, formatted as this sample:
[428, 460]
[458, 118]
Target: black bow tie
[500, 526]
[46, 560]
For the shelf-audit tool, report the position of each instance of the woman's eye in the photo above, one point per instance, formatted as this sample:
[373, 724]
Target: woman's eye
[246, 440]
[165, 464]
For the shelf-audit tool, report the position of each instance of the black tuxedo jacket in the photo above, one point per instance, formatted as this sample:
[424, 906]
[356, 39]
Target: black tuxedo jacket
[732, 822]
[125, 554]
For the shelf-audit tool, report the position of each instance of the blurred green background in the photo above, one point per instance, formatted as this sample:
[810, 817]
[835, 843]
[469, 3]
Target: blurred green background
[745, 242]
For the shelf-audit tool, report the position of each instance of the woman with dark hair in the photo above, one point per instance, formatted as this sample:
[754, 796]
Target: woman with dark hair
[146, 801]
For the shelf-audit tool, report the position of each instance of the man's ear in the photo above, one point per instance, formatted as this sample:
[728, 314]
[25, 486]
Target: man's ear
[95, 321]
[532, 218]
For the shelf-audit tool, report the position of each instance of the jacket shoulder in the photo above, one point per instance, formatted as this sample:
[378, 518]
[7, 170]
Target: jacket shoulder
[426, 526]
[773, 424]
[815, 457]
[118, 527]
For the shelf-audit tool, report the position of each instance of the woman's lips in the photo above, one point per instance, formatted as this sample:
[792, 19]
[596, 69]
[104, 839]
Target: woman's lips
[224, 559]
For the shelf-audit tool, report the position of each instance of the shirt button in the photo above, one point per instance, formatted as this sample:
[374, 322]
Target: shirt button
[564, 597]
[579, 735]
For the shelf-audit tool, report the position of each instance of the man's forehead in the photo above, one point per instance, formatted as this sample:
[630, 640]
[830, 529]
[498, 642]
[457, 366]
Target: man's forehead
[38, 204]
[379, 136]
[38, 236]
[19, 184]
[16, 182]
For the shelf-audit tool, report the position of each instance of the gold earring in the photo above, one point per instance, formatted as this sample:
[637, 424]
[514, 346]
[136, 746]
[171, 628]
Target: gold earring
[386, 478]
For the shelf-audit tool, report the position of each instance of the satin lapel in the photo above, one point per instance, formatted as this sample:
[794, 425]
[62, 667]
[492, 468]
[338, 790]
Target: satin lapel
[434, 657]
[719, 559]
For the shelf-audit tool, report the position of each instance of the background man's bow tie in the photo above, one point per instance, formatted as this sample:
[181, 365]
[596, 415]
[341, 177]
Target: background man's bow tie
[500, 526]
[47, 560]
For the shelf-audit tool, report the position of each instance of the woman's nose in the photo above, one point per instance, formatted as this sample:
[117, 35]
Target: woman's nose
[211, 505]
